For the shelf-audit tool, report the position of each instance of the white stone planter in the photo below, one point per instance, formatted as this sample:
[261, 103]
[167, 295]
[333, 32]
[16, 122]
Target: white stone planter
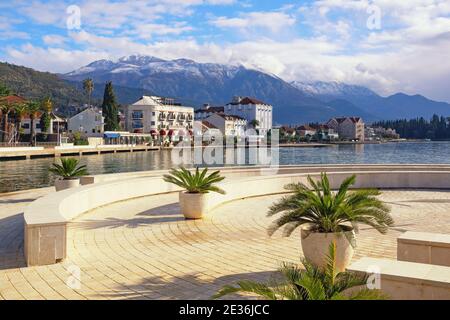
[61, 185]
[193, 205]
[316, 248]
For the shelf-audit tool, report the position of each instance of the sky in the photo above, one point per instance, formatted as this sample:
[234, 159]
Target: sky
[389, 46]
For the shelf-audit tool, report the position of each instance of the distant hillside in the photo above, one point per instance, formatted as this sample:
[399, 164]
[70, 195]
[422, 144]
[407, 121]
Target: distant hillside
[33, 84]
[398, 106]
[198, 83]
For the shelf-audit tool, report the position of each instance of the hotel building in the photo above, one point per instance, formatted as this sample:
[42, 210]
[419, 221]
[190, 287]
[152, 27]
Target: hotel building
[159, 117]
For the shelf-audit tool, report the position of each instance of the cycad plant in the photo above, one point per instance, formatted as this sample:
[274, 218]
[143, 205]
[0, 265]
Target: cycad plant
[325, 211]
[197, 182]
[310, 283]
[69, 169]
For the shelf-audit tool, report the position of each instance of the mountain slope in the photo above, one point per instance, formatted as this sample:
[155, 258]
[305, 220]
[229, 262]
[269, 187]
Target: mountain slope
[397, 106]
[198, 83]
[32, 84]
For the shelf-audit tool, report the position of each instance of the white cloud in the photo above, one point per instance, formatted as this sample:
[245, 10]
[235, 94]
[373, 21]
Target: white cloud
[409, 53]
[272, 21]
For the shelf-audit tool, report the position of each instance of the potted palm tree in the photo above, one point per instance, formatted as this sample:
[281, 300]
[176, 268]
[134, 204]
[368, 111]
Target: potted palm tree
[69, 173]
[326, 216]
[309, 283]
[197, 185]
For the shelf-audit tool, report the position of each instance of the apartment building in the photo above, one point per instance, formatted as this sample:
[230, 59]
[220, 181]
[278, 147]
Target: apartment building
[348, 128]
[251, 109]
[228, 125]
[160, 117]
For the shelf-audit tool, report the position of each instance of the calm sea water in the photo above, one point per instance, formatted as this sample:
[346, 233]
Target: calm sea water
[28, 174]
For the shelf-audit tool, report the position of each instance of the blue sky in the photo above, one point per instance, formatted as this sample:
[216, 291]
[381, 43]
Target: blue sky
[387, 45]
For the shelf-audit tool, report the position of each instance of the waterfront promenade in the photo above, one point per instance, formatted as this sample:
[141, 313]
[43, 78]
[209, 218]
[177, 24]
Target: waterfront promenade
[144, 249]
[29, 153]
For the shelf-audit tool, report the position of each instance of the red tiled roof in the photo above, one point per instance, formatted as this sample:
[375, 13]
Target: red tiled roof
[211, 110]
[231, 117]
[306, 128]
[248, 100]
[208, 125]
[13, 99]
[353, 119]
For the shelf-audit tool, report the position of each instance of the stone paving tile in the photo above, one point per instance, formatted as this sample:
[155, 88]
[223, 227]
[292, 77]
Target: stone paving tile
[144, 249]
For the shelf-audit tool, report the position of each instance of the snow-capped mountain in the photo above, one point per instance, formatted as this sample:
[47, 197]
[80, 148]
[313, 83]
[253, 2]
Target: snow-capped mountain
[149, 65]
[197, 83]
[332, 89]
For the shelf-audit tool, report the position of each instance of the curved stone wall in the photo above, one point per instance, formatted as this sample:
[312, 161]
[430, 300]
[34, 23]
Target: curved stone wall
[46, 218]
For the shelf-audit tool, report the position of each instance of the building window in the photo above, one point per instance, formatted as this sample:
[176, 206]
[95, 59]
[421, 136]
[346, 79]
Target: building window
[137, 124]
[138, 115]
[93, 130]
[26, 126]
[153, 123]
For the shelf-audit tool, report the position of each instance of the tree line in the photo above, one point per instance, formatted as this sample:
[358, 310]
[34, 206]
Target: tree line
[13, 112]
[437, 128]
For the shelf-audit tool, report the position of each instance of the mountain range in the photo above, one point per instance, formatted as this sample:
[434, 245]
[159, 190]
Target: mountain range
[195, 83]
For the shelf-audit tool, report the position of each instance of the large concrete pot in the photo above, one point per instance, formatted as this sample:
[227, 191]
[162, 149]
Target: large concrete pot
[316, 247]
[61, 185]
[193, 205]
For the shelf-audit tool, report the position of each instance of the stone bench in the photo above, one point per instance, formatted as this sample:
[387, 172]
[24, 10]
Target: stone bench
[402, 280]
[424, 247]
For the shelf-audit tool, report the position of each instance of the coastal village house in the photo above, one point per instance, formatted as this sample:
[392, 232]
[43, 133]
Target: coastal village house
[160, 117]
[55, 122]
[252, 109]
[90, 122]
[229, 125]
[238, 116]
[306, 131]
[348, 128]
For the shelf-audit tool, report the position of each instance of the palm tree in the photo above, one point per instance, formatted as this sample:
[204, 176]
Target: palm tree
[88, 86]
[329, 212]
[310, 283]
[254, 123]
[68, 169]
[6, 108]
[20, 110]
[47, 106]
[199, 182]
[33, 110]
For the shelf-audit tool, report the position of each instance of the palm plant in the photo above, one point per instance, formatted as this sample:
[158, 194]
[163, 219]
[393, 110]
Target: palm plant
[325, 211]
[6, 108]
[198, 182]
[33, 110]
[20, 110]
[254, 123]
[68, 169]
[88, 86]
[310, 283]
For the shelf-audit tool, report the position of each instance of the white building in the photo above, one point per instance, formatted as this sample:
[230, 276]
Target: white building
[252, 109]
[159, 117]
[207, 111]
[229, 125]
[89, 122]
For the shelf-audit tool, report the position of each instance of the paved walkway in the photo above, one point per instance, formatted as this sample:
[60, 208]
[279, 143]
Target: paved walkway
[144, 249]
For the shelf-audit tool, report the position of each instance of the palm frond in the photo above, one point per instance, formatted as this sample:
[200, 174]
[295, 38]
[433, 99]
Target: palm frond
[197, 182]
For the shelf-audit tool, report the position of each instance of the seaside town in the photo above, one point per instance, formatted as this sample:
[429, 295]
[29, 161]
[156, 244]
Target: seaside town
[218, 157]
[161, 122]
